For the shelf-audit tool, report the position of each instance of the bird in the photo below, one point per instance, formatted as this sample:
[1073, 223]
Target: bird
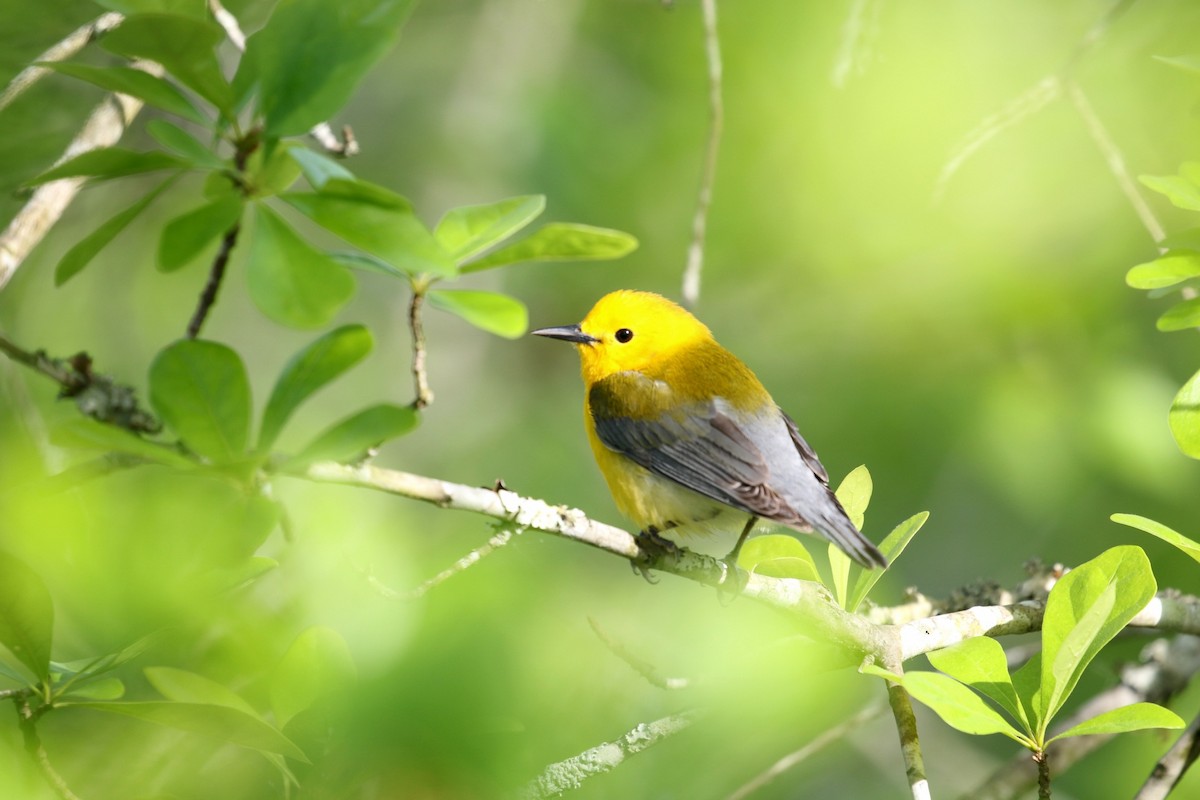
[686, 435]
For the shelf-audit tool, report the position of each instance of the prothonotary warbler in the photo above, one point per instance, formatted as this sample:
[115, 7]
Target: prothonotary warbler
[686, 435]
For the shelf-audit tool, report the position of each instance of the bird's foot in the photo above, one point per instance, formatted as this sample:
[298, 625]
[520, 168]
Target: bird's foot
[732, 581]
[653, 547]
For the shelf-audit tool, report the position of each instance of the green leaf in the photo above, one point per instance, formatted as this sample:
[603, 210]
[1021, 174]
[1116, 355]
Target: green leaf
[357, 433]
[291, 281]
[309, 370]
[185, 46]
[1175, 267]
[891, 547]
[26, 615]
[1135, 717]
[200, 389]
[854, 493]
[188, 687]
[102, 689]
[217, 722]
[1085, 610]
[272, 170]
[311, 54]
[109, 162]
[959, 707]
[366, 263]
[1192, 548]
[317, 665]
[1189, 63]
[85, 433]
[778, 555]
[1181, 316]
[392, 233]
[173, 137]
[1178, 189]
[86, 249]
[185, 236]
[489, 311]
[468, 231]
[559, 241]
[981, 664]
[135, 83]
[1184, 417]
[317, 168]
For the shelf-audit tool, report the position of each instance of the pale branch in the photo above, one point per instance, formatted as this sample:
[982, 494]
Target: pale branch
[810, 602]
[72, 44]
[422, 394]
[48, 202]
[639, 665]
[344, 147]
[571, 773]
[716, 122]
[1166, 667]
[27, 718]
[826, 738]
[228, 23]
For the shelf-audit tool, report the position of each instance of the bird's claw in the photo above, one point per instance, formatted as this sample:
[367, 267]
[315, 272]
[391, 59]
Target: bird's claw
[652, 547]
[731, 583]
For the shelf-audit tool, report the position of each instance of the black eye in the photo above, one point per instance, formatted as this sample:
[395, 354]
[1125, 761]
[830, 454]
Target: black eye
[624, 335]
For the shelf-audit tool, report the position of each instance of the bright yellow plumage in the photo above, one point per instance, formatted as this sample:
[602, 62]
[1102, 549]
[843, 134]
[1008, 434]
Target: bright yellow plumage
[686, 436]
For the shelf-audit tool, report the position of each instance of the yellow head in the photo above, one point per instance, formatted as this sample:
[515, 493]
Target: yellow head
[627, 330]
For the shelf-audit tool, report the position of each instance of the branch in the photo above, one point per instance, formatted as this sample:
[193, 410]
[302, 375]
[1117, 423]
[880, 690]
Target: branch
[209, 294]
[96, 395]
[910, 742]
[27, 721]
[571, 773]
[423, 395]
[497, 540]
[716, 115]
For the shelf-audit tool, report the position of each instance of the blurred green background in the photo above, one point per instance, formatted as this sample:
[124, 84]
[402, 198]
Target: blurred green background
[972, 341]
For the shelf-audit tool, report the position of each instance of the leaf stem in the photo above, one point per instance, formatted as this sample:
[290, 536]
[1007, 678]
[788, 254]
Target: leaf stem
[1043, 764]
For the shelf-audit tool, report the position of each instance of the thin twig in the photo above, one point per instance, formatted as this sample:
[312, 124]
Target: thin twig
[1171, 767]
[812, 748]
[639, 665]
[423, 395]
[497, 540]
[209, 295]
[716, 121]
[570, 774]
[72, 44]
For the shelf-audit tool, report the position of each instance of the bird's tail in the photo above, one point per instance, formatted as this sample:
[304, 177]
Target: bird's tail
[837, 528]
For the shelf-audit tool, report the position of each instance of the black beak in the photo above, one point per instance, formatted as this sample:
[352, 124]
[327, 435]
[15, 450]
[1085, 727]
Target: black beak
[568, 333]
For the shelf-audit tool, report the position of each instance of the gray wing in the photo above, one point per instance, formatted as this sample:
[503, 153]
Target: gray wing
[806, 453]
[699, 445]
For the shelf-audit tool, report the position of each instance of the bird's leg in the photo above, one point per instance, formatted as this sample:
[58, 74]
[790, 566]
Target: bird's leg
[730, 560]
[653, 547]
